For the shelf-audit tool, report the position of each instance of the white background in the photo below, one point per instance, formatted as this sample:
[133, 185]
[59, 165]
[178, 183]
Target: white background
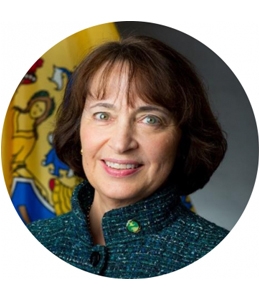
[30, 28]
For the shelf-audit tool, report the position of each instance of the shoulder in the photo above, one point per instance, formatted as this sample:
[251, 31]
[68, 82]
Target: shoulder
[198, 224]
[49, 230]
[193, 233]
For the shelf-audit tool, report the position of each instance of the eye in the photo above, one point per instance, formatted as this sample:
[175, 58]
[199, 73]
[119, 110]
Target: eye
[102, 116]
[152, 120]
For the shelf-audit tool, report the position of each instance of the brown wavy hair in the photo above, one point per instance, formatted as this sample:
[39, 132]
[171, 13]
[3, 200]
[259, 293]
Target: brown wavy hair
[159, 75]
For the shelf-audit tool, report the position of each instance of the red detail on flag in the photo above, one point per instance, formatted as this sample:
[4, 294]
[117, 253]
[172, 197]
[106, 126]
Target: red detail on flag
[52, 184]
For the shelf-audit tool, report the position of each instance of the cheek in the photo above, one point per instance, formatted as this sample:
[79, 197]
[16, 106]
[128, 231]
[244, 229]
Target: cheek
[86, 132]
[91, 142]
[163, 151]
[88, 142]
[86, 139]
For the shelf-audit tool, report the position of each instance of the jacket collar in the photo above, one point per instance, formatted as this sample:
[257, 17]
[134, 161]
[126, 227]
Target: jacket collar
[148, 216]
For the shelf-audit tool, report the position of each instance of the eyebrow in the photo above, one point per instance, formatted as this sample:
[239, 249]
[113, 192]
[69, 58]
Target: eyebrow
[103, 104]
[148, 108]
[145, 108]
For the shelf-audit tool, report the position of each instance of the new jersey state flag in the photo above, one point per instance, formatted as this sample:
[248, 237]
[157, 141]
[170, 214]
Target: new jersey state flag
[39, 184]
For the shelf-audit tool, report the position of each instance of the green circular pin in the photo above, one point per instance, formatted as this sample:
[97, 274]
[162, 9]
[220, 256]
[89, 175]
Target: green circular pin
[133, 226]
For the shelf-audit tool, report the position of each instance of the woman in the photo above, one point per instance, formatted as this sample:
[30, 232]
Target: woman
[135, 123]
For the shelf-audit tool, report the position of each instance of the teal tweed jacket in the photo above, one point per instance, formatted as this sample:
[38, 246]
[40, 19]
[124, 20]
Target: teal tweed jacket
[154, 236]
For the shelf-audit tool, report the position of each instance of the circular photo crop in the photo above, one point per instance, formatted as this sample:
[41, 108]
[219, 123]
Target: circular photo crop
[129, 150]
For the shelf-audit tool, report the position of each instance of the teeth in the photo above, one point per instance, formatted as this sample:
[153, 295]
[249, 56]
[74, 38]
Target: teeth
[120, 166]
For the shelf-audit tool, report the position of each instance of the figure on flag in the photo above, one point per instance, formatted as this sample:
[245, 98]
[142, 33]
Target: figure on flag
[38, 109]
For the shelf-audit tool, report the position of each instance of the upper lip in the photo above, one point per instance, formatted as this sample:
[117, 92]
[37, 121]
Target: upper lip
[122, 161]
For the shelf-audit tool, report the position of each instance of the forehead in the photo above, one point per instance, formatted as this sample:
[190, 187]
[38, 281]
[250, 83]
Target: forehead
[116, 80]
[109, 77]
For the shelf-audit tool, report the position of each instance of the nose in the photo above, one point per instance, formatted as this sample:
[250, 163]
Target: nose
[123, 139]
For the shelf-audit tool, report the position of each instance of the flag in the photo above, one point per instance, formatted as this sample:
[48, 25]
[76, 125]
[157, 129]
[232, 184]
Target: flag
[39, 184]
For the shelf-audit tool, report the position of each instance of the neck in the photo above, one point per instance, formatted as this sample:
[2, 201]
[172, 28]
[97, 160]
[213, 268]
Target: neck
[98, 208]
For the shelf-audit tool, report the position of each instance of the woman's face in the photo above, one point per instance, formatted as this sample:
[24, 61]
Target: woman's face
[128, 152]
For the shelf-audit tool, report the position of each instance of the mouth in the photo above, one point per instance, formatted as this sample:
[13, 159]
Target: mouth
[121, 166]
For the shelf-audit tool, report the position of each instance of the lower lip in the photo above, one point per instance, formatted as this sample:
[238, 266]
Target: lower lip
[118, 172]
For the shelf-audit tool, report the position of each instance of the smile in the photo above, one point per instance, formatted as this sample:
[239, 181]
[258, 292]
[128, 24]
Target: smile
[121, 169]
[119, 166]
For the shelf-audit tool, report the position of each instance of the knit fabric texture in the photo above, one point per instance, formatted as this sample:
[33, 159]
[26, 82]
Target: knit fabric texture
[169, 236]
